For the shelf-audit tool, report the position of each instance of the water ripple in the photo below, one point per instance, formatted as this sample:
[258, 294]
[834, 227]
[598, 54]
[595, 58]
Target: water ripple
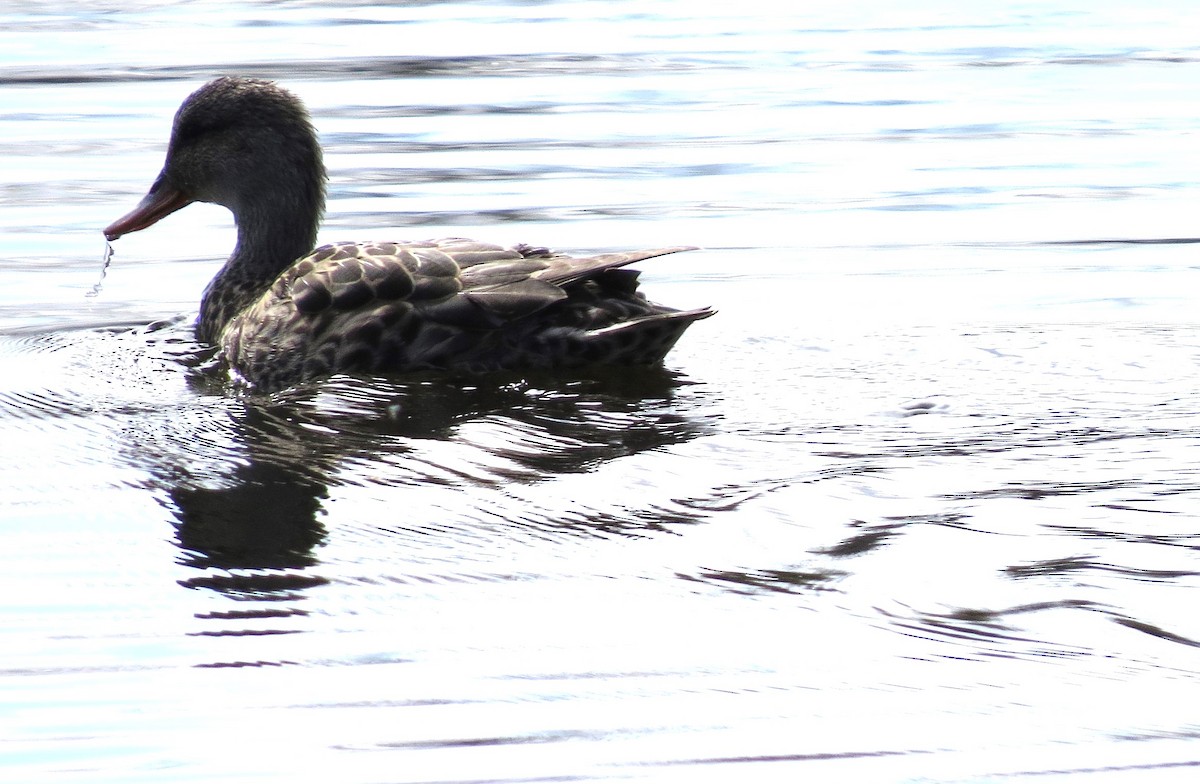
[502, 65]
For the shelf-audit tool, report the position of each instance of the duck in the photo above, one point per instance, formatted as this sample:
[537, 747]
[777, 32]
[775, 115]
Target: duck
[281, 313]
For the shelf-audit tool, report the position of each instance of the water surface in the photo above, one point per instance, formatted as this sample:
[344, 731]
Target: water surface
[920, 504]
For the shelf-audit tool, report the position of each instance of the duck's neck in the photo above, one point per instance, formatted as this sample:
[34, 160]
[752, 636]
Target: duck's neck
[272, 233]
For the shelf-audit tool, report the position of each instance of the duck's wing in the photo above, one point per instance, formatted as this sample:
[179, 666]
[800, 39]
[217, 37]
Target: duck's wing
[456, 282]
[476, 284]
[563, 270]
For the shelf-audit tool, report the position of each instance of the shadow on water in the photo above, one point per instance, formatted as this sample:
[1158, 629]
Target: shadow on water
[253, 524]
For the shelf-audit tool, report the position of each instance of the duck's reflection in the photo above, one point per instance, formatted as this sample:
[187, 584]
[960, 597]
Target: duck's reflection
[266, 518]
[258, 515]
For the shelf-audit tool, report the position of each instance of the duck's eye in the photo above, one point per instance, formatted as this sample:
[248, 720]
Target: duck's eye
[191, 130]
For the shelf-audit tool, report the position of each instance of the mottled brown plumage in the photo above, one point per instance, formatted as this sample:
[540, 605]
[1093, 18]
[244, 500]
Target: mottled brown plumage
[282, 313]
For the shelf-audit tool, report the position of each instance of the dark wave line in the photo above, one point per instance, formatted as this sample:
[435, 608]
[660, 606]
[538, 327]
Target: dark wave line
[1126, 241]
[505, 65]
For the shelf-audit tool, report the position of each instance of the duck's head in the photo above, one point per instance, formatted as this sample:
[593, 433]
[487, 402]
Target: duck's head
[246, 144]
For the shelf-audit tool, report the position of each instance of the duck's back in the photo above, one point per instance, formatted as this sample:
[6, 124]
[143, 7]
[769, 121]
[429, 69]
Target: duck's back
[449, 304]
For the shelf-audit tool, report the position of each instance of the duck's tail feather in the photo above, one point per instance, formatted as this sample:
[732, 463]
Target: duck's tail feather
[644, 340]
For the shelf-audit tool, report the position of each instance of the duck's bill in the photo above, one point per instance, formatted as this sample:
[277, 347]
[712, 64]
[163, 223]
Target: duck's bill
[158, 203]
